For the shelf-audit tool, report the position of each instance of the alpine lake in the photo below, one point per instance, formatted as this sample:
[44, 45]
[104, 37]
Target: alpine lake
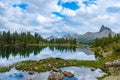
[12, 57]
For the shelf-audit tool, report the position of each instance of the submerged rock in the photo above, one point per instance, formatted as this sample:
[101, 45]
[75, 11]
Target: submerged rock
[30, 79]
[15, 73]
[21, 75]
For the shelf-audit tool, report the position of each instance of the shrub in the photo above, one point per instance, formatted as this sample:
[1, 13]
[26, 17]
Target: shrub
[116, 49]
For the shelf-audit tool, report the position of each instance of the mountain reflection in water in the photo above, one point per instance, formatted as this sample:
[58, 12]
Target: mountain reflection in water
[9, 55]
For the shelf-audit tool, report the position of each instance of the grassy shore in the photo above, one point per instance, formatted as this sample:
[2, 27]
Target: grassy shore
[42, 44]
[50, 63]
[54, 44]
[108, 55]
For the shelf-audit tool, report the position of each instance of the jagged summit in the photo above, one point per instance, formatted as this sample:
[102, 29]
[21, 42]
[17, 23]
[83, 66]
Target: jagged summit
[104, 28]
[91, 36]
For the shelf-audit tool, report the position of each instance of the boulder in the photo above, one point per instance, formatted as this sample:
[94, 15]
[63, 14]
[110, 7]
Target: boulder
[39, 62]
[30, 64]
[56, 70]
[49, 65]
[112, 64]
[31, 72]
[93, 69]
[36, 68]
[56, 76]
[64, 64]
[68, 74]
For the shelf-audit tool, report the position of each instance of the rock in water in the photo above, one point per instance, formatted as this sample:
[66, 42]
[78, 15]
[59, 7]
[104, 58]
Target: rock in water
[31, 72]
[68, 74]
[56, 76]
[56, 70]
[93, 69]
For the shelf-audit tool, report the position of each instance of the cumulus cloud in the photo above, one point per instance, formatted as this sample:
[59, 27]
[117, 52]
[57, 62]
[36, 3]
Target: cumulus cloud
[51, 17]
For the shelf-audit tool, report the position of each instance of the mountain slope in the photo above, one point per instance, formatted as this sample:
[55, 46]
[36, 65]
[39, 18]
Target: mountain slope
[90, 36]
[87, 37]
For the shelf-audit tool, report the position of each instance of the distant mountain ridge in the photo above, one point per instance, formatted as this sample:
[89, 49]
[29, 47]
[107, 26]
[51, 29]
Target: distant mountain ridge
[91, 36]
[51, 37]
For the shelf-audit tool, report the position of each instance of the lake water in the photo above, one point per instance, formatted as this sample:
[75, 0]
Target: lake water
[10, 55]
[81, 73]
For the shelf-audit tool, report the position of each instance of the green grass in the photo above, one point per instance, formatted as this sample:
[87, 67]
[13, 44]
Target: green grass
[5, 69]
[54, 44]
[109, 53]
[95, 64]
[50, 63]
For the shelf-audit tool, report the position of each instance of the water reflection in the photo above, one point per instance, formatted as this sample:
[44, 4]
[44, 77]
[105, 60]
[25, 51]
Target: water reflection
[63, 48]
[5, 52]
[9, 55]
[85, 49]
[81, 73]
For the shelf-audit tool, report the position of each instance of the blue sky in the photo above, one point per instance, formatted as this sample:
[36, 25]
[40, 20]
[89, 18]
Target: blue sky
[89, 2]
[21, 5]
[58, 17]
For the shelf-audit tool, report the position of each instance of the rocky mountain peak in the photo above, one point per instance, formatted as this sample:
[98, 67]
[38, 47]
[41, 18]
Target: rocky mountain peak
[91, 36]
[67, 36]
[51, 37]
[104, 28]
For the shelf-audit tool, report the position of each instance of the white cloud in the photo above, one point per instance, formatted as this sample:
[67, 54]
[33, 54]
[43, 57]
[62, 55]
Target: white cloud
[42, 19]
[69, 12]
[38, 16]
